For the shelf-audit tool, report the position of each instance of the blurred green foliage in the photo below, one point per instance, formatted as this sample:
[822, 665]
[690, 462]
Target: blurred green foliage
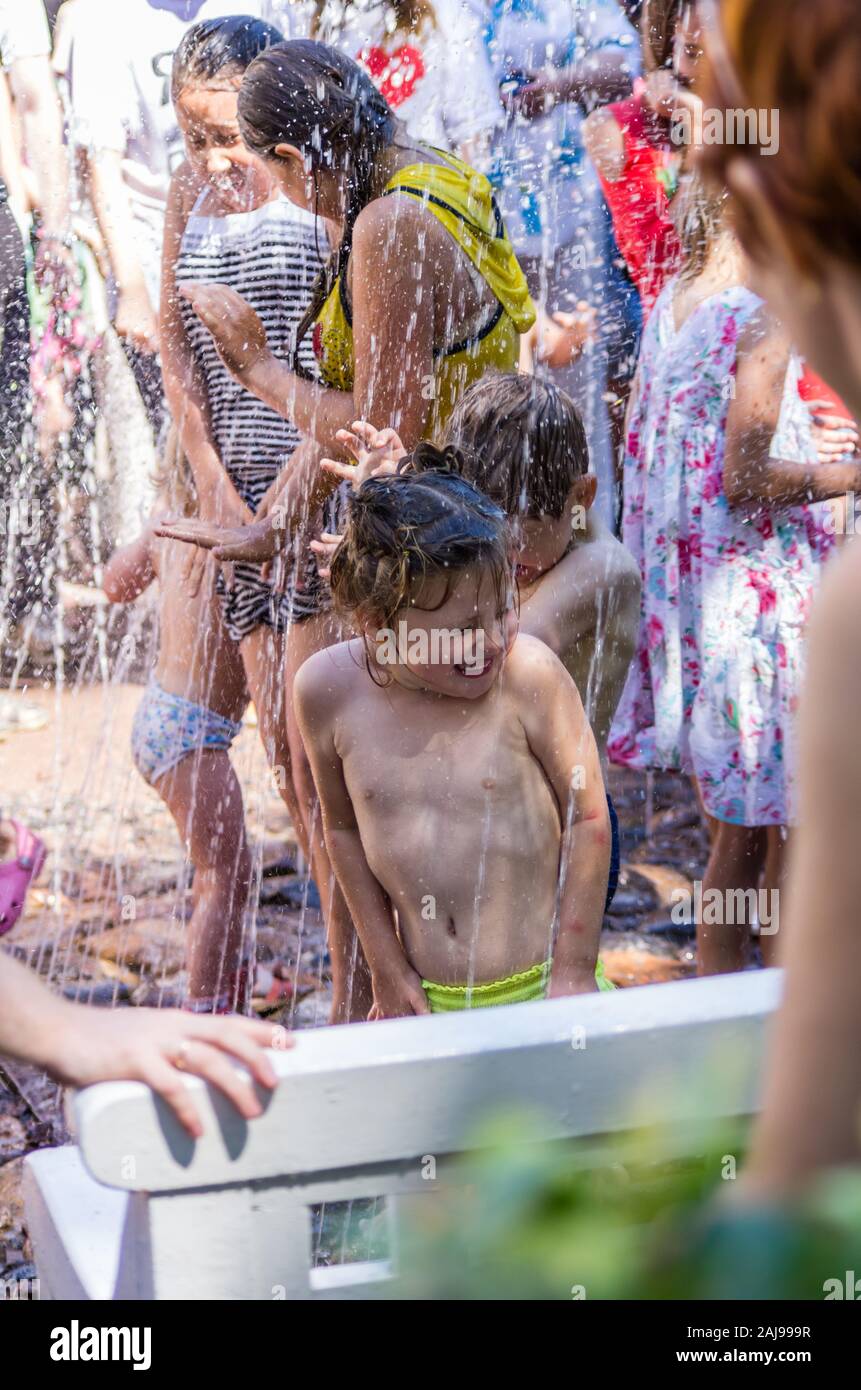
[631, 1220]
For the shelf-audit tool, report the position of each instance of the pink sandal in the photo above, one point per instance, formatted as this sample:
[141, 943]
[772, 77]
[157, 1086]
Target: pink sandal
[16, 876]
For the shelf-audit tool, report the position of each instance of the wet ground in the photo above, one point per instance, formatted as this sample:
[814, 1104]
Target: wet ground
[105, 922]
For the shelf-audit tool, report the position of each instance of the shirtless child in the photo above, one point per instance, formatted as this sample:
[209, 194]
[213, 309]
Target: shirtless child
[183, 729]
[523, 444]
[461, 791]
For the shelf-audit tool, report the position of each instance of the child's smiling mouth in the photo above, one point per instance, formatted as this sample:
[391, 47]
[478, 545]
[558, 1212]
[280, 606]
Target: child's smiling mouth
[473, 672]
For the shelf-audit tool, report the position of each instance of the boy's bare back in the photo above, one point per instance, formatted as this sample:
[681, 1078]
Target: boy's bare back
[586, 609]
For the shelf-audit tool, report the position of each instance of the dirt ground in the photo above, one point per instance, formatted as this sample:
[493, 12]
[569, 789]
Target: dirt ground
[105, 922]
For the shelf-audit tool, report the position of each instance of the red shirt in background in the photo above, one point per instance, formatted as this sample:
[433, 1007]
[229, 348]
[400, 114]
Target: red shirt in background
[639, 200]
[639, 203]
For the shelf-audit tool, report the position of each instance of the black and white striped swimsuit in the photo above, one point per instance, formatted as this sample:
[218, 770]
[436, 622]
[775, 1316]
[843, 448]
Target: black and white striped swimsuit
[271, 257]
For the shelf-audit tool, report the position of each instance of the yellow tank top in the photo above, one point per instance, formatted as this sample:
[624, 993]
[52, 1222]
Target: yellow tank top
[462, 200]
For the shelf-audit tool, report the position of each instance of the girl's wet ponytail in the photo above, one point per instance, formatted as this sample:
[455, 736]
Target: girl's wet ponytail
[313, 97]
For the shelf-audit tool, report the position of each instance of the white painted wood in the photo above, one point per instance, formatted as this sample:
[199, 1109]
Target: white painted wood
[360, 1095]
[355, 1114]
[75, 1224]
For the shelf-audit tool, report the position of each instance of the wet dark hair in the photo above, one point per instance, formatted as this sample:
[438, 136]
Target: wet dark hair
[309, 95]
[217, 50]
[425, 522]
[522, 442]
[658, 22]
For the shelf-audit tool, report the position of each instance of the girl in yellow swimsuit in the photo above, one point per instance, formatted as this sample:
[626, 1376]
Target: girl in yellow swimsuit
[462, 202]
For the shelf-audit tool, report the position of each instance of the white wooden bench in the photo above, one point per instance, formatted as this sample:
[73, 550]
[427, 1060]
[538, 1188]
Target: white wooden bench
[139, 1210]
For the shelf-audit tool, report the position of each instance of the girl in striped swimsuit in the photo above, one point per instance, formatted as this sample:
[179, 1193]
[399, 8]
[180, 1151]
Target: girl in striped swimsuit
[228, 223]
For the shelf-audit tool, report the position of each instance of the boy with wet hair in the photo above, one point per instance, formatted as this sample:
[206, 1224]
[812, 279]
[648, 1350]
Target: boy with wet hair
[523, 444]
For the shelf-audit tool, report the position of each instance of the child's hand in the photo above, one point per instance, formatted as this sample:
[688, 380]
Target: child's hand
[253, 544]
[835, 437]
[324, 549]
[400, 997]
[157, 1045]
[563, 336]
[236, 328]
[377, 452]
[571, 982]
[661, 91]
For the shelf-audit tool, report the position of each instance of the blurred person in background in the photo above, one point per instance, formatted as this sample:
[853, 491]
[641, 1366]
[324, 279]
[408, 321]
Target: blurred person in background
[554, 62]
[119, 64]
[34, 201]
[428, 60]
[798, 213]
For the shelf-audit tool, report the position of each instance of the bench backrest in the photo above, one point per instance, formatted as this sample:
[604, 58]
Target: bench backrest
[358, 1110]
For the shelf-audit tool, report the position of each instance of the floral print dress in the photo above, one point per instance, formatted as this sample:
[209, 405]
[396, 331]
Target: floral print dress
[726, 590]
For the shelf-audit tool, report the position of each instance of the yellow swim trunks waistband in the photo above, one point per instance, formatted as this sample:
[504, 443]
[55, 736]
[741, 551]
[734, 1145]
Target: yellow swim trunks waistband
[514, 989]
[521, 988]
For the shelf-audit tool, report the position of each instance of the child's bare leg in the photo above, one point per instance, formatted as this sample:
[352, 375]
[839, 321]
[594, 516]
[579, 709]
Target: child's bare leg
[708, 821]
[352, 996]
[735, 862]
[263, 655]
[203, 795]
[777, 842]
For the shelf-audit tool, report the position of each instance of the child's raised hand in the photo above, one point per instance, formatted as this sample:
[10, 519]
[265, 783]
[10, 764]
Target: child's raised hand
[563, 336]
[399, 997]
[835, 437]
[377, 452]
[661, 91]
[324, 549]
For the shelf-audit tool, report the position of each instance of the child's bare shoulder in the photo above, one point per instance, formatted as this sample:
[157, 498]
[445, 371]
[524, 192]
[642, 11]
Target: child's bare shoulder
[598, 580]
[531, 668]
[328, 678]
[602, 562]
[539, 687]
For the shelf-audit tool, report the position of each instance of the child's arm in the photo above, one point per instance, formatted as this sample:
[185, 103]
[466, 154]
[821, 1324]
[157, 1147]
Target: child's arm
[130, 570]
[184, 389]
[750, 475]
[561, 739]
[398, 988]
[605, 143]
[560, 340]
